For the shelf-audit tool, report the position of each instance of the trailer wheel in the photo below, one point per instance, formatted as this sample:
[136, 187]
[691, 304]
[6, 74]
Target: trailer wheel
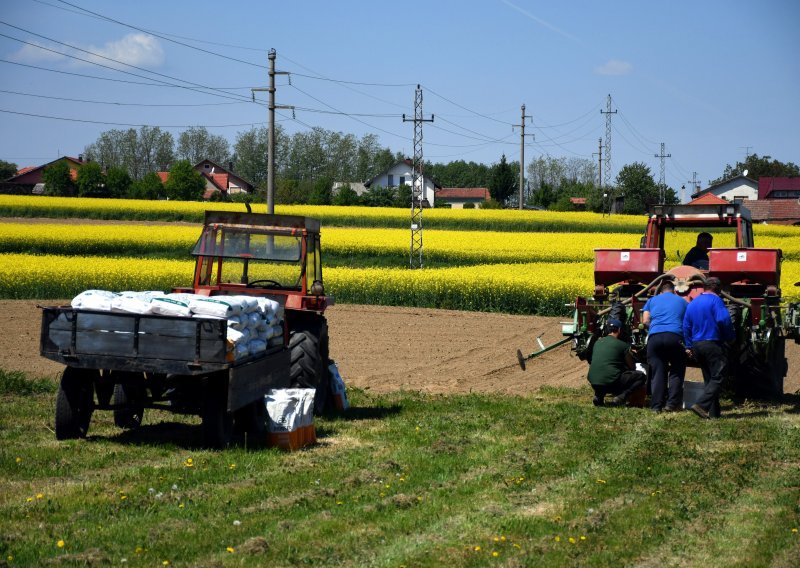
[308, 344]
[75, 402]
[217, 422]
[130, 396]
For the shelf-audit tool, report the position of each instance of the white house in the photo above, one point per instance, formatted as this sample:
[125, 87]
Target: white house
[401, 174]
[734, 189]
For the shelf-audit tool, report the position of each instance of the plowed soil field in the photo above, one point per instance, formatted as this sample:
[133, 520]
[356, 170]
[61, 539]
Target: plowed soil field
[388, 348]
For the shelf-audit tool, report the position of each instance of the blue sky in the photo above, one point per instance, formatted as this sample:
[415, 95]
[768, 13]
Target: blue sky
[711, 79]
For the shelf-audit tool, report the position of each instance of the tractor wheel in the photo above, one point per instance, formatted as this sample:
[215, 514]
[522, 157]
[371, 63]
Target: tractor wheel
[217, 422]
[75, 402]
[308, 344]
[776, 366]
[130, 395]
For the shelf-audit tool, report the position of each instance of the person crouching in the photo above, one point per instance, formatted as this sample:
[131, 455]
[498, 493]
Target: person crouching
[611, 371]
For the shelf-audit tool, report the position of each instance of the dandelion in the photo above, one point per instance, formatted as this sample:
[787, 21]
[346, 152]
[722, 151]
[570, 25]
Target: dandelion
[572, 540]
[516, 545]
[39, 495]
[338, 502]
[583, 537]
[19, 460]
[502, 538]
[29, 499]
[180, 506]
[138, 550]
[495, 554]
[123, 497]
[230, 549]
[557, 539]
[497, 539]
[601, 481]
[477, 549]
[10, 558]
[232, 466]
[60, 544]
[188, 462]
[165, 562]
[794, 530]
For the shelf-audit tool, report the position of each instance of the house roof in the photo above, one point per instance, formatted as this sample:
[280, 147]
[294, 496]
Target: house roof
[775, 211]
[407, 162]
[463, 193]
[231, 174]
[767, 185]
[577, 200]
[164, 176]
[29, 169]
[724, 182]
[707, 199]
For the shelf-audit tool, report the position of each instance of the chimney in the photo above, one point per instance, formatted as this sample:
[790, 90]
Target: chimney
[80, 157]
[230, 166]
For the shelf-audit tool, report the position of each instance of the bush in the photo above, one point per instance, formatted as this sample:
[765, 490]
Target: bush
[149, 187]
[184, 182]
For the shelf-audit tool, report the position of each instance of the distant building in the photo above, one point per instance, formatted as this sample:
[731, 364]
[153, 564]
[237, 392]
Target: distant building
[457, 197]
[32, 175]
[358, 187]
[735, 189]
[401, 174]
[579, 203]
[218, 179]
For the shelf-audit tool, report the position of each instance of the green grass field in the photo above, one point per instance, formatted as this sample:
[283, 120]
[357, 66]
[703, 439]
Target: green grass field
[408, 480]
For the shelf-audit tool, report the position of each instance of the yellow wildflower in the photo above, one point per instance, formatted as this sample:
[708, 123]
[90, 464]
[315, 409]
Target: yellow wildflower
[60, 544]
[230, 549]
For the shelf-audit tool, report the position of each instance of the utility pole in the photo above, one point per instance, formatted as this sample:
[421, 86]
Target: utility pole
[521, 125]
[599, 155]
[661, 184]
[694, 183]
[417, 181]
[608, 112]
[271, 131]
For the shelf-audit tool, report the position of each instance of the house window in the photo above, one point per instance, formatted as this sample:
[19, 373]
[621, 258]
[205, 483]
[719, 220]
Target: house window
[206, 166]
[402, 180]
[391, 181]
[738, 199]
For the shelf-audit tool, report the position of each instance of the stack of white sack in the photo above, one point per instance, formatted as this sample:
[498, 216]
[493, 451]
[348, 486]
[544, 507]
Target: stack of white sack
[254, 324]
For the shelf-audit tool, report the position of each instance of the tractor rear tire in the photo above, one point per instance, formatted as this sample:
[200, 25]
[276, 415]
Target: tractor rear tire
[308, 346]
[130, 396]
[75, 403]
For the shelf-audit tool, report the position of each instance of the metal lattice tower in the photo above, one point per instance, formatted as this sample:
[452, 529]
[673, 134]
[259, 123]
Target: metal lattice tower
[662, 186]
[608, 112]
[417, 181]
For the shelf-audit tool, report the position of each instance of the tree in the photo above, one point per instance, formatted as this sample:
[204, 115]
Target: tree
[321, 192]
[503, 181]
[403, 196]
[149, 187]
[759, 166]
[118, 182]
[58, 180]
[379, 196]
[139, 152]
[184, 182]
[635, 182]
[90, 180]
[198, 144]
[7, 170]
[346, 195]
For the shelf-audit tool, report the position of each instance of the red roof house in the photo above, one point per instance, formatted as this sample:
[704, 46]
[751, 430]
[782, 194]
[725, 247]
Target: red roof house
[456, 197]
[778, 187]
[31, 175]
[707, 199]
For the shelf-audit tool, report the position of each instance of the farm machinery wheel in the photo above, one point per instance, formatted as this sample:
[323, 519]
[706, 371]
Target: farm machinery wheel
[309, 347]
[217, 422]
[75, 402]
[129, 394]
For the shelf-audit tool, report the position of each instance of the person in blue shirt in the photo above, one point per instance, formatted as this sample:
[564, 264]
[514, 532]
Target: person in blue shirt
[707, 327]
[663, 316]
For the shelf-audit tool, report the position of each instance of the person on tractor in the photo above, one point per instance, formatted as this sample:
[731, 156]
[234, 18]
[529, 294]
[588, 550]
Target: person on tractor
[707, 329]
[663, 316]
[698, 254]
[611, 370]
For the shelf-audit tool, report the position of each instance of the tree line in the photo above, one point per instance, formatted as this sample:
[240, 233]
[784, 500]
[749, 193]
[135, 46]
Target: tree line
[123, 163]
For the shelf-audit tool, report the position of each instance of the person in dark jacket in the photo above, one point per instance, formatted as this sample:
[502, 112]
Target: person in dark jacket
[663, 316]
[698, 254]
[707, 327]
[611, 369]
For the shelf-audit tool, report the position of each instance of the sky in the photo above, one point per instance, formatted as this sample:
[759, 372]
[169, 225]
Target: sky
[713, 80]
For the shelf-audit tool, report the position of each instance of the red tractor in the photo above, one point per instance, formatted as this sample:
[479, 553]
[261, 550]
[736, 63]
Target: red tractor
[626, 278]
[126, 362]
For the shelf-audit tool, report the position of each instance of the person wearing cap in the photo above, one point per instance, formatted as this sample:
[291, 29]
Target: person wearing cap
[707, 327]
[698, 254]
[611, 370]
[663, 316]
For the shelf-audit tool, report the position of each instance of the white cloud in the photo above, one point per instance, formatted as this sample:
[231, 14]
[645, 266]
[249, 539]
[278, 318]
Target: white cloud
[35, 54]
[141, 50]
[614, 67]
[138, 49]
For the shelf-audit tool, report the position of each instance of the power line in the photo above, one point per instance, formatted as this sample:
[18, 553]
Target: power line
[114, 103]
[487, 117]
[86, 121]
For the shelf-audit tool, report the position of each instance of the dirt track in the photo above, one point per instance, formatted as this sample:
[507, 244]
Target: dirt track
[388, 348]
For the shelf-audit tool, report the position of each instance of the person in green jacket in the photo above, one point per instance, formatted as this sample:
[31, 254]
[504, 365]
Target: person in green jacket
[612, 370]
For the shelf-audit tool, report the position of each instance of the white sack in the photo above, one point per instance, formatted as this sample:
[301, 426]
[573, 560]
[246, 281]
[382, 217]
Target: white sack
[94, 300]
[167, 306]
[256, 346]
[131, 305]
[284, 410]
[216, 306]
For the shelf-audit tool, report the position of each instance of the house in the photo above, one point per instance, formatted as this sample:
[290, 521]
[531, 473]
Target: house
[778, 201]
[779, 187]
[358, 187]
[401, 174]
[578, 203]
[33, 176]
[734, 189]
[218, 179]
[707, 199]
[457, 197]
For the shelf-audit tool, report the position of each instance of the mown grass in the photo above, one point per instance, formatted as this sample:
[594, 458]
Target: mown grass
[415, 480]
